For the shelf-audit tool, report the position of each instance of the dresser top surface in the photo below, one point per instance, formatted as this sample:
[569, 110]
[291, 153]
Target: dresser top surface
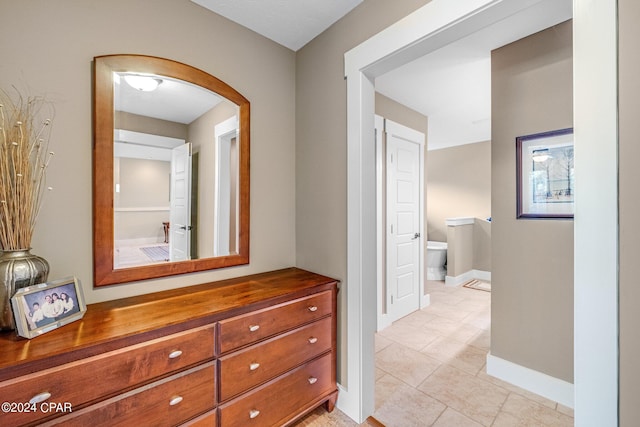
[126, 321]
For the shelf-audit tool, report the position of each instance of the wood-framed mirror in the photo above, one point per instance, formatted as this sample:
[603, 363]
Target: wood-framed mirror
[170, 170]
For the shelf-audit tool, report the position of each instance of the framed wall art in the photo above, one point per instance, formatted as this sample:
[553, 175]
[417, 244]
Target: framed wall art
[47, 306]
[544, 175]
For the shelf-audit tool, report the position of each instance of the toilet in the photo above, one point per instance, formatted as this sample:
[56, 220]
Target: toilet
[436, 260]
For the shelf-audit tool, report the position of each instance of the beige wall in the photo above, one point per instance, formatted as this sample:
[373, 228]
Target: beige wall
[144, 124]
[143, 183]
[482, 245]
[458, 185]
[49, 47]
[459, 249]
[392, 110]
[629, 13]
[532, 260]
[469, 248]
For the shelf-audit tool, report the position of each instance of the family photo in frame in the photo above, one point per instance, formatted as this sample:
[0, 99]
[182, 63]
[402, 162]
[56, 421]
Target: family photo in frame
[47, 306]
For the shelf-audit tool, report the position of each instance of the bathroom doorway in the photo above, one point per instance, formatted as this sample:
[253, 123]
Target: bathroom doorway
[374, 57]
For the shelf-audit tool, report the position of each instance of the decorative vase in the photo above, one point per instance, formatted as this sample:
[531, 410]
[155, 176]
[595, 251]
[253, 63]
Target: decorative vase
[18, 269]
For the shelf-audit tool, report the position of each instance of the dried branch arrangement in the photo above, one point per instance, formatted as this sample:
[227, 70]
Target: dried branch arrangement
[24, 158]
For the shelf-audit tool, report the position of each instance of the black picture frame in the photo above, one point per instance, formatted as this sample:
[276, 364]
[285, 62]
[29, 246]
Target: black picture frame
[545, 185]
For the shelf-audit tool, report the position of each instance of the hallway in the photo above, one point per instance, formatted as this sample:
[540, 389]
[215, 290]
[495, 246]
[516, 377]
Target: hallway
[430, 371]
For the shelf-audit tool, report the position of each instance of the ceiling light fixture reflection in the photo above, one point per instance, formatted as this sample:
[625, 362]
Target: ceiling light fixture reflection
[143, 83]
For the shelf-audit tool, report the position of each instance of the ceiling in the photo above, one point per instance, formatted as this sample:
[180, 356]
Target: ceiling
[451, 86]
[173, 100]
[291, 23]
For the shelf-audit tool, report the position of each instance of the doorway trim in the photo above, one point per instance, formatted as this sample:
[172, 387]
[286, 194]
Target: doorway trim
[437, 24]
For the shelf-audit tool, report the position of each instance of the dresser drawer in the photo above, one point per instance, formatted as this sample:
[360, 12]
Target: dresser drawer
[259, 363]
[246, 329]
[210, 419]
[167, 402]
[100, 376]
[275, 403]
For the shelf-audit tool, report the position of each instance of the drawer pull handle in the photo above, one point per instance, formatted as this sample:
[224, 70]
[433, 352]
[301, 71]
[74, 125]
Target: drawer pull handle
[313, 340]
[313, 308]
[312, 380]
[175, 400]
[253, 413]
[40, 397]
[254, 328]
[254, 366]
[175, 354]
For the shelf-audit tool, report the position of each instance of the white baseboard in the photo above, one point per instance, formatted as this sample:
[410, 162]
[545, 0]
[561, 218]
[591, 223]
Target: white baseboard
[137, 242]
[482, 275]
[348, 403]
[425, 301]
[465, 277]
[536, 382]
[384, 321]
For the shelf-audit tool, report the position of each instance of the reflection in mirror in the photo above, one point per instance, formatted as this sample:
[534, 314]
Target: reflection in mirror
[177, 140]
[167, 147]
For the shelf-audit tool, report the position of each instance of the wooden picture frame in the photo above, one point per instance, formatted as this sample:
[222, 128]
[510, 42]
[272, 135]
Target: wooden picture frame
[47, 306]
[544, 175]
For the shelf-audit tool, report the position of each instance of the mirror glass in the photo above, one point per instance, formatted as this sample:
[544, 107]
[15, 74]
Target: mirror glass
[174, 142]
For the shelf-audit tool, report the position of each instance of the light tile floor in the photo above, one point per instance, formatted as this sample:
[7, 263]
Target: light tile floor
[430, 371]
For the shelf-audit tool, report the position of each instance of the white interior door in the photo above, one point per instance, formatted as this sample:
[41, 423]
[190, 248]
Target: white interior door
[180, 203]
[404, 225]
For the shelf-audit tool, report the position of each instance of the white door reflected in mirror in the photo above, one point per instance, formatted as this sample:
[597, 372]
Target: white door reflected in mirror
[180, 203]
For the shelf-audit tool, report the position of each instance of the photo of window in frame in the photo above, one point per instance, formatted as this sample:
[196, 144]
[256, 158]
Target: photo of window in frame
[545, 175]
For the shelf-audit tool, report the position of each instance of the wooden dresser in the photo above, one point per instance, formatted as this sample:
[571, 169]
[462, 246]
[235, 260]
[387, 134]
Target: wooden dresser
[258, 350]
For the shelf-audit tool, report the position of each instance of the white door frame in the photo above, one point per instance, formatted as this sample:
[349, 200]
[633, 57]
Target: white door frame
[596, 244]
[383, 320]
[224, 133]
